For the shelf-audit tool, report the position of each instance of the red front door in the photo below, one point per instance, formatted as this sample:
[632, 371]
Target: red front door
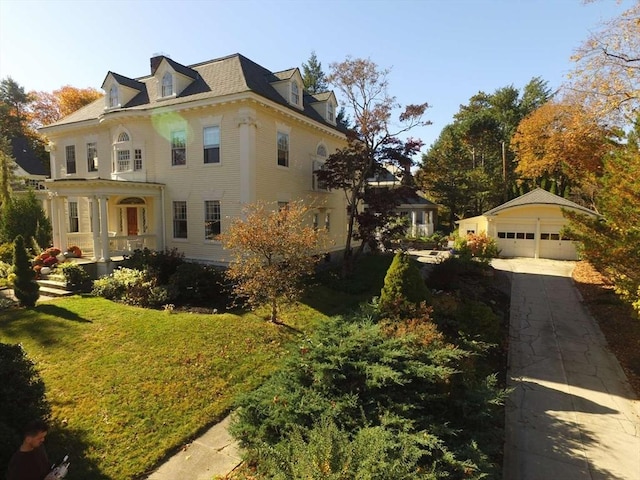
[132, 221]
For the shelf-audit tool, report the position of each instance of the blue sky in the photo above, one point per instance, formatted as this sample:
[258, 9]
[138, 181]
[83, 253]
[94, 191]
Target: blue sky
[440, 51]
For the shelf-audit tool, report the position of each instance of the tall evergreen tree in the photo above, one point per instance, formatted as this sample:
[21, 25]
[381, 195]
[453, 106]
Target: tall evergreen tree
[313, 77]
[25, 287]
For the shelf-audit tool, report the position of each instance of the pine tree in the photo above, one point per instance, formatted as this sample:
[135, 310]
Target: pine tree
[312, 75]
[402, 284]
[25, 287]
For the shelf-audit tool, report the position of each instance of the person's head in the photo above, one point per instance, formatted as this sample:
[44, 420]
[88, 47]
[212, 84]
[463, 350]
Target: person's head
[35, 433]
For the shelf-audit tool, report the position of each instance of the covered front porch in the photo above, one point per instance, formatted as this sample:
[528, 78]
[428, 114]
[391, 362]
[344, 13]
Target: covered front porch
[105, 218]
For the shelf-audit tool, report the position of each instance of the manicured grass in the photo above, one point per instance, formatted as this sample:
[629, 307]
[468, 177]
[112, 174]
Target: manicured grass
[129, 385]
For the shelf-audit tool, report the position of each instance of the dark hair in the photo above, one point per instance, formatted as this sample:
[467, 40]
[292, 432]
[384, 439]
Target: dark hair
[35, 427]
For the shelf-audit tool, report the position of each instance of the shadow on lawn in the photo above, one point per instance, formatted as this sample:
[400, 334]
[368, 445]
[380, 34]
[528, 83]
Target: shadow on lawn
[59, 312]
[63, 441]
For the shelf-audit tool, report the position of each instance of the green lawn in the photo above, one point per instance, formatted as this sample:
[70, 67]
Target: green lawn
[128, 385]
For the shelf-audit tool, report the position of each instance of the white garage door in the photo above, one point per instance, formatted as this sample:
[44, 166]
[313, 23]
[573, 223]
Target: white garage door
[553, 245]
[516, 240]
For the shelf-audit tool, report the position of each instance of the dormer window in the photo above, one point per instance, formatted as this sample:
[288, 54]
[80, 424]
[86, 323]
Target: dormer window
[295, 93]
[113, 96]
[331, 112]
[167, 85]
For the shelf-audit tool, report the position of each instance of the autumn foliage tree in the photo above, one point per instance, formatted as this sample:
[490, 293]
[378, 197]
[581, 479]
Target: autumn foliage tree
[562, 144]
[606, 77]
[612, 243]
[372, 144]
[48, 107]
[273, 250]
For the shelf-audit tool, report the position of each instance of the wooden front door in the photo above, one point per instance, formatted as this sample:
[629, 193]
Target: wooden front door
[132, 221]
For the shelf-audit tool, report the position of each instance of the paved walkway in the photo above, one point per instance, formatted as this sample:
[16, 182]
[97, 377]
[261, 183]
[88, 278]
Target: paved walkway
[572, 414]
[214, 453]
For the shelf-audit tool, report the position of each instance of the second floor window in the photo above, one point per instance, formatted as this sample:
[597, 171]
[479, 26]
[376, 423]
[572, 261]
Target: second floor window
[180, 219]
[71, 158]
[178, 147]
[92, 157]
[167, 85]
[211, 141]
[137, 159]
[283, 149]
[124, 160]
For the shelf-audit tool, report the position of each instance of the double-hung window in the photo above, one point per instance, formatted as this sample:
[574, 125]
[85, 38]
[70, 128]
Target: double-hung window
[71, 158]
[212, 219]
[180, 219]
[331, 112]
[283, 149]
[167, 85]
[295, 93]
[74, 223]
[211, 142]
[113, 97]
[137, 159]
[92, 157]
[179, 147]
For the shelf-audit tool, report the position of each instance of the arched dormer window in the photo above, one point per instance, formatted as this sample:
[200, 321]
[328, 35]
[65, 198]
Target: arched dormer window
[113, 96]
[167, 85]
[295, 93]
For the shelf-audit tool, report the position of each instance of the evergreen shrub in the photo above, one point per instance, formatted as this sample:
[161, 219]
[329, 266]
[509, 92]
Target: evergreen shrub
[25, 287]
[403, 284]
[156, 264]
[75, 276]
[22, 396]
[387, 402]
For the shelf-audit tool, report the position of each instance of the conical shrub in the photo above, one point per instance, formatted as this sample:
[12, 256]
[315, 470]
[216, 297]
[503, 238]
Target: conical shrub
[25, 287]
[402, 284]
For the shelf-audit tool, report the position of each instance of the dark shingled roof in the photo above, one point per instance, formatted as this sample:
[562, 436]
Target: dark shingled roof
[126, 81]
[181, 68]
[220, 77]
[539, 197]
[26, 157]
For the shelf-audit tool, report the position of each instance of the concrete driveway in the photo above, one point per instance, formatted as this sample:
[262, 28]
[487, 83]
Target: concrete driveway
[572, 414]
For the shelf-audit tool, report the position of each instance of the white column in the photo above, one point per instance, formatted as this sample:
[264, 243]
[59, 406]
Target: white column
[247, 161]
[95, 227]
[104, 230]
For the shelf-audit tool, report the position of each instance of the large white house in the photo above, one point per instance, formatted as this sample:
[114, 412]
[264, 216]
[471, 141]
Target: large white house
[169, 159]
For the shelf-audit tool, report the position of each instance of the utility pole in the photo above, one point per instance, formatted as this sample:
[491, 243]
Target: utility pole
[504, 169]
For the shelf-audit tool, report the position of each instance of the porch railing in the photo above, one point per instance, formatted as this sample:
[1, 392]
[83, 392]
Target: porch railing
[118, 244]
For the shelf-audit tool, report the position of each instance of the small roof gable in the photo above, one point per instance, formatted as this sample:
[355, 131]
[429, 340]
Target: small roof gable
[539, 196]
[285, 74]
[125, 81]
[320, 97]
[178, 67]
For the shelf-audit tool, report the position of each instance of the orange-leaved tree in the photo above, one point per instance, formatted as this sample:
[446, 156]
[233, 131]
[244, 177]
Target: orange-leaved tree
[273, 250]
[48, 107]
[560, 143]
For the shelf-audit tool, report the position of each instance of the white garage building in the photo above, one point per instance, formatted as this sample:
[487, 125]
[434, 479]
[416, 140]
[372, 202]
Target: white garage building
[528, 226]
